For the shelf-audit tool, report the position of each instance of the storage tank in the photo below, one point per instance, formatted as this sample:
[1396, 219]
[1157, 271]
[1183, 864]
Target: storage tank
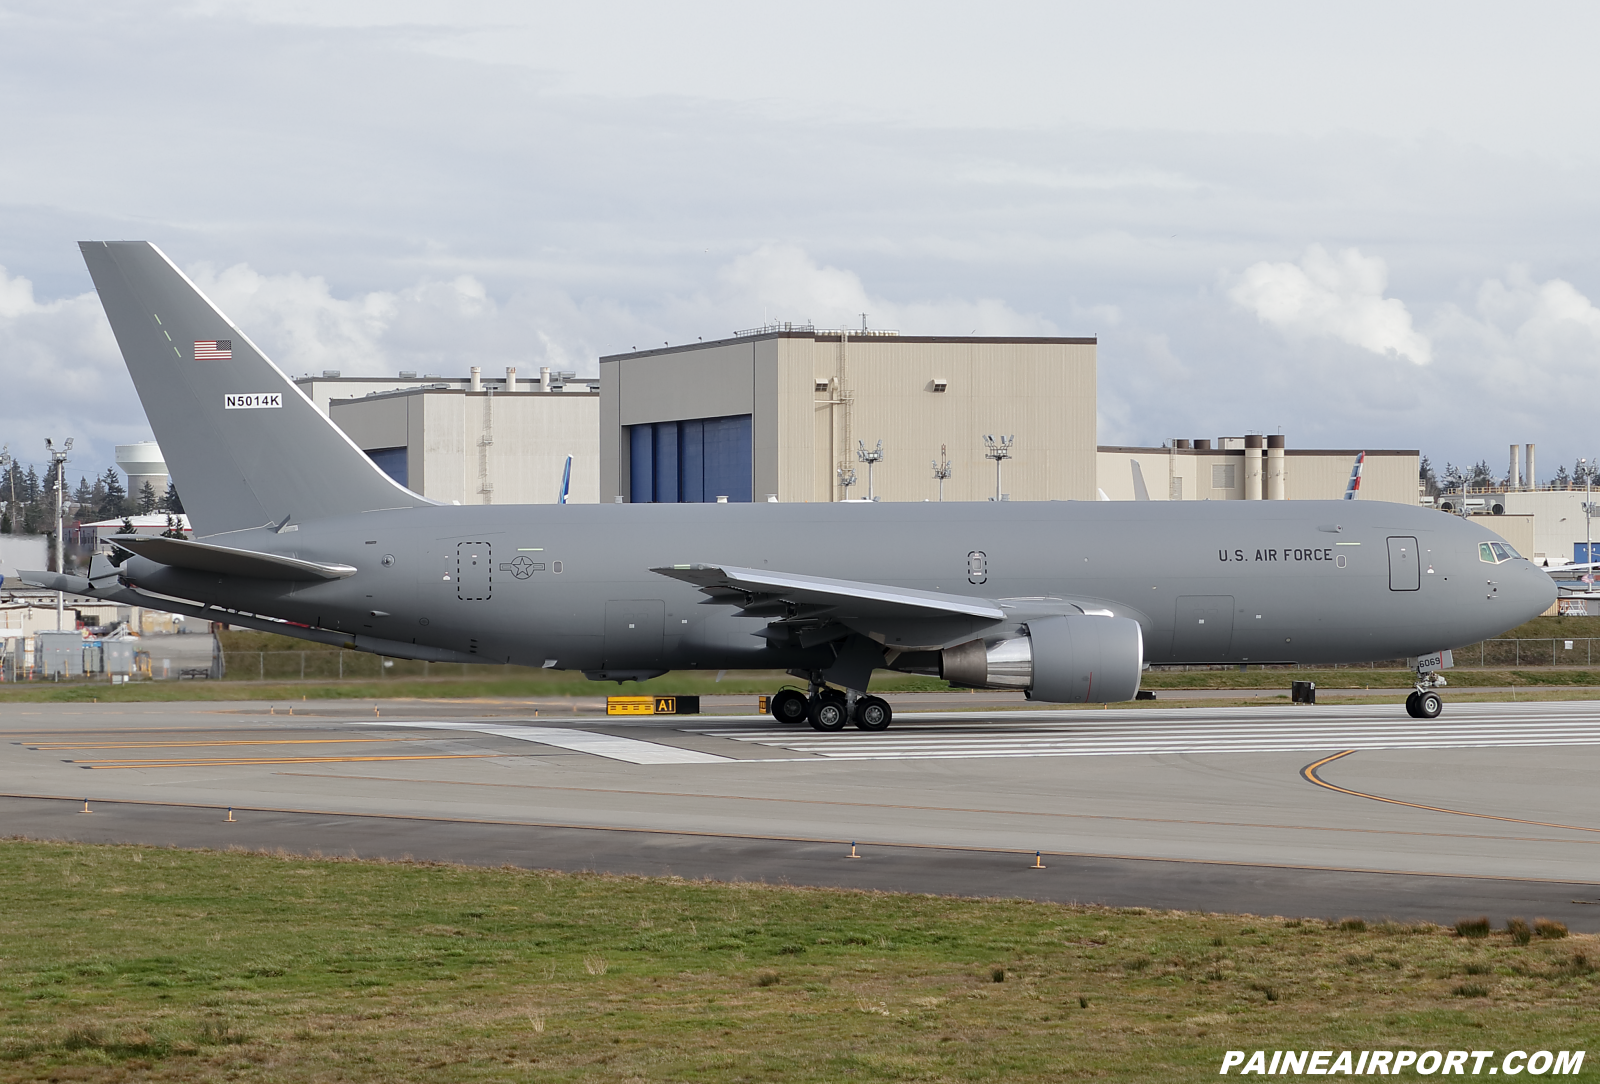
[143, 463]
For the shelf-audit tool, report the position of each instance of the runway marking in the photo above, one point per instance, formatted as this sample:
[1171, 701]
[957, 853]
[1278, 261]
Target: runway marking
[1191, 730]
[248, 761]
[1309, 774]
[610, 746]
[52, 746]
[947, 809]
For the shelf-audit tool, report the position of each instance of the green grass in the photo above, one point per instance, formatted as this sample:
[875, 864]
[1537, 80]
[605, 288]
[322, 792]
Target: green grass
[126, 963]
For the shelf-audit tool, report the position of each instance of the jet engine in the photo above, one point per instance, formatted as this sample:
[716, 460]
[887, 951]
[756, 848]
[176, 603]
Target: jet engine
[1065, 660]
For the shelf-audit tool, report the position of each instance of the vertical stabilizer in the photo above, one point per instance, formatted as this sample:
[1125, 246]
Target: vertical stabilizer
[244, 446]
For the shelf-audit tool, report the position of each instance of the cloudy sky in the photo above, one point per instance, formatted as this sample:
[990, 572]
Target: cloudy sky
[1371, 225]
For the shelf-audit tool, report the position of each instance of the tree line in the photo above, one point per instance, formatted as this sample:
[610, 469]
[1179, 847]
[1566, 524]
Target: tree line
[29, 499]
[1481, 476]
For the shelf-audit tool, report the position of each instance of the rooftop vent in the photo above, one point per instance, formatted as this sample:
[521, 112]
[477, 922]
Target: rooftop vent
[330, 374]
[408, 374]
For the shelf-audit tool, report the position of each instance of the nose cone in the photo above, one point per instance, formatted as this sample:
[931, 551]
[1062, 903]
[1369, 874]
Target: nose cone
[1532, 591]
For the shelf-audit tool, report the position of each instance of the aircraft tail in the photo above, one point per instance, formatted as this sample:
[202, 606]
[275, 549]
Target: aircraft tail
[244, 445]
[1353, 487]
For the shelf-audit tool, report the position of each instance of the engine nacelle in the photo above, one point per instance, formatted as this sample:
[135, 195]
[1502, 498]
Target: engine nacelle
[1065, 660]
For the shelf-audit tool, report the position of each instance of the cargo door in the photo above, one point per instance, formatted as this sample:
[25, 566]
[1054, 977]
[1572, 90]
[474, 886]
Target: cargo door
[474, 572]
[635, 634]
[1405, 571]
[1204, 629]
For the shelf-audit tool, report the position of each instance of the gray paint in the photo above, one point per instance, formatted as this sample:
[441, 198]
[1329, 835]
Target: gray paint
[1291, 581]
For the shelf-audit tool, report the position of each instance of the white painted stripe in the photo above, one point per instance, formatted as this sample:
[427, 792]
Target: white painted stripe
[582, 741]
[1197, 730]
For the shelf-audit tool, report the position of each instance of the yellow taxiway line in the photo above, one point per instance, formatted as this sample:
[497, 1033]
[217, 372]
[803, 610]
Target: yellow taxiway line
[247, 761]
[1309, 774]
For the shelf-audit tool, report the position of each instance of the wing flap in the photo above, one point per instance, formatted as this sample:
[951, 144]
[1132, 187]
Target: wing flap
[850, 598]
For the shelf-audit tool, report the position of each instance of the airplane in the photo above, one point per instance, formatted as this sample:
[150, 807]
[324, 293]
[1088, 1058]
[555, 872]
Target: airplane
[296, 531]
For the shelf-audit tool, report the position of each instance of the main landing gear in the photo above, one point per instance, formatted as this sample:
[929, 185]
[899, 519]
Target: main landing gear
[830, 709]
[1424, 703]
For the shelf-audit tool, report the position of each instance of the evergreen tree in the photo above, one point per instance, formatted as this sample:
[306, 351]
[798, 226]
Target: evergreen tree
[173, 502]
[81, 495]
[1482, 475]
[31, 486]
[1562, 480]
[147, 499]
[1425, 475]
[116, 497]
[97, 495]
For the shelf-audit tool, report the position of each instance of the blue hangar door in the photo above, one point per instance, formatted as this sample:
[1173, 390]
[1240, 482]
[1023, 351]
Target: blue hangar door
[691, 461]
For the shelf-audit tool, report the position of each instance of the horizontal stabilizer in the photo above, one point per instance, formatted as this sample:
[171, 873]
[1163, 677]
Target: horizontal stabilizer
[226, 561]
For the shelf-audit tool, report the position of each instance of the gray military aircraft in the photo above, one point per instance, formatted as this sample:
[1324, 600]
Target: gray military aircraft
[296, 531]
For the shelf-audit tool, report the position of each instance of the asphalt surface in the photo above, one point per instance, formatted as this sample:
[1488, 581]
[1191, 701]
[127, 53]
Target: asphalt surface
[1330, 811]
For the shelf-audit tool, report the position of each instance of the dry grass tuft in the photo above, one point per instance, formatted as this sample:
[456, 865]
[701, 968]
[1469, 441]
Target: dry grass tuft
[1549, 929]
[1473, 927]
[1519, 930]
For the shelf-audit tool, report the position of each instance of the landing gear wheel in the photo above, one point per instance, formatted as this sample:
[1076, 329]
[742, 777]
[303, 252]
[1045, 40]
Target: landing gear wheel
[872, 713]
[1411, 704]
[1429, 705]
[789, 706]
[829, 712]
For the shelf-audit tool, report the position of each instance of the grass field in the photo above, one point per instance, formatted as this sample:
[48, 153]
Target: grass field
[126, 963]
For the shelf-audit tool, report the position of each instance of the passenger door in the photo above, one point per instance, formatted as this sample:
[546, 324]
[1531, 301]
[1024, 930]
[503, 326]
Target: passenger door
[1405, 571]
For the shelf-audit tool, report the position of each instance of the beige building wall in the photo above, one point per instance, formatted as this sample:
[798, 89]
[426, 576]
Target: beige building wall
[1211, 474]
[814, 395]
[529, 435]
[1558, 515]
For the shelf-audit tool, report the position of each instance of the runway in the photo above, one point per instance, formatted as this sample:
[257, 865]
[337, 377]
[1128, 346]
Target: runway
[1320, 810]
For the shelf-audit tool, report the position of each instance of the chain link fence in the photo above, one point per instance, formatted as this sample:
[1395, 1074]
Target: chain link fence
[339, 664]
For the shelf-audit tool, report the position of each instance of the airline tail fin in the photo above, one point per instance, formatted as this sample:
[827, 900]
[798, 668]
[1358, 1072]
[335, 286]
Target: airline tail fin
[566, 482]
[1140, 493]
[1353, 487]
[244, 445]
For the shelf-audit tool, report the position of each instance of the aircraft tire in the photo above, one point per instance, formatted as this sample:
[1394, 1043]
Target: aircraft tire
[829, 713]
[873, 713]
[1429, 705]
[789, 706]
[1411, 704]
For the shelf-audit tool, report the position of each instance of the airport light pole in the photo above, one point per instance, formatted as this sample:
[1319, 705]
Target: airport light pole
[871, 459]
[999, 450]
[942, 470]
[58, 463]
[1588, 509]
[847, 478]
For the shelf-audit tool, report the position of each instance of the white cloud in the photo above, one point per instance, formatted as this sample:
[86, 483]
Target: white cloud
[1335, 295]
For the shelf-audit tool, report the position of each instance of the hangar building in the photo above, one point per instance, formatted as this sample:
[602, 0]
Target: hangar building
[473, 441]
[782, 413]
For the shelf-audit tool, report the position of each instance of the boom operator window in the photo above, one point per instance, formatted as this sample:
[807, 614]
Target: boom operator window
[1495, 552]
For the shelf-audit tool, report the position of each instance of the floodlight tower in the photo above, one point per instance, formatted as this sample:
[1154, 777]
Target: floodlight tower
[847, 478]
[58, 463]
[999, 450]
[871, 459]
[942, 470]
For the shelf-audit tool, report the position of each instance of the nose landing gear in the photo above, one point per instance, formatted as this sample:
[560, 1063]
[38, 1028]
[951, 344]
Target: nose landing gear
[1424, 703]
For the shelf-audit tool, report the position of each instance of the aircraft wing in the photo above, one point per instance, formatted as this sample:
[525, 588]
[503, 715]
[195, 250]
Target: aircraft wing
[227, 561]
[816, 609]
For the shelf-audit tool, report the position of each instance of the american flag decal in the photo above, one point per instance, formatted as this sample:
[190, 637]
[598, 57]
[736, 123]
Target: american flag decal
[213, 350]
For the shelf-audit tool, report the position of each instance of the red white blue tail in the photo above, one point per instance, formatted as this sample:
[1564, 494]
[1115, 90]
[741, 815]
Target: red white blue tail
[1354, 485]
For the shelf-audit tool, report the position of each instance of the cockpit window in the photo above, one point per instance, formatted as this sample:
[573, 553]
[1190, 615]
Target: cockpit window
[1495, 552]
